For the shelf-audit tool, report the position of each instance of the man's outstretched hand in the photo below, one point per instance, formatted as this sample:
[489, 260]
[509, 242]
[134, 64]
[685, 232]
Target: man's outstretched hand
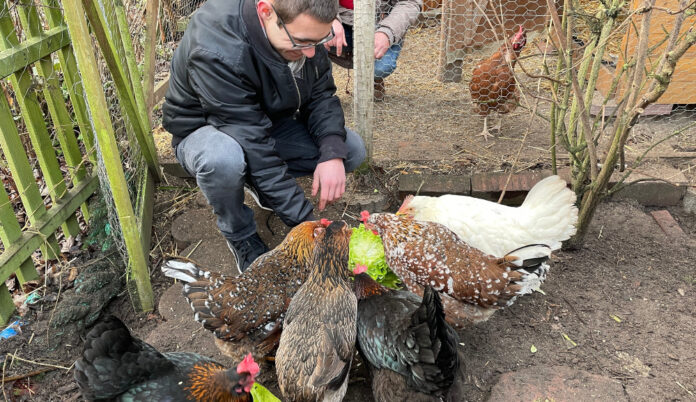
[330, 177]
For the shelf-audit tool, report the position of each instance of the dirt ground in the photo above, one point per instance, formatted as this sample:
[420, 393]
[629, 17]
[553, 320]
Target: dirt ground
[621, 307]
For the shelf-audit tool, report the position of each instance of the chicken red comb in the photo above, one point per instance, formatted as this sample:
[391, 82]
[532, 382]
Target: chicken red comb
[324, 222]
[363, 216]
[248, 365]
[520, 32]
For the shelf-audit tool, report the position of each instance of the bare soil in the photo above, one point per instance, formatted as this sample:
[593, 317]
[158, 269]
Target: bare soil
[621, 307]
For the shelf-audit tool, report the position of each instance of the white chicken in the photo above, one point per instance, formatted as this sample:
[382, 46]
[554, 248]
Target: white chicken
[547, 216]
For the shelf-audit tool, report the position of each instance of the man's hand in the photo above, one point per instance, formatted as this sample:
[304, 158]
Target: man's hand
[331, 177]
[381, 44]
[339, 39]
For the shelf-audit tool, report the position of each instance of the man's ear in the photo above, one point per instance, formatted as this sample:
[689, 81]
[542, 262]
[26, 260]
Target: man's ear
[264, 10]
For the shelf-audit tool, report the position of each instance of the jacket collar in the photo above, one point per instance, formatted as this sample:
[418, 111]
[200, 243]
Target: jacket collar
[257, 37]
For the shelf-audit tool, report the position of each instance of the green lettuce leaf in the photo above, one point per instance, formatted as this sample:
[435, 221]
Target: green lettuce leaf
[366, 248]
[261, 394]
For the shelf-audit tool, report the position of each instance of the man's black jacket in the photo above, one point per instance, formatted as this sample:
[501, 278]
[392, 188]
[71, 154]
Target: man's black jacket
[226, 74]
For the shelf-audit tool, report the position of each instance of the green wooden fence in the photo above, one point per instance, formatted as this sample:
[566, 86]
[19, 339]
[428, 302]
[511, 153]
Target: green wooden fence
[56, 37]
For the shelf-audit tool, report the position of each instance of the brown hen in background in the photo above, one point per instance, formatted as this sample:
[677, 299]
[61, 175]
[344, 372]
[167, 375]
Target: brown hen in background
[492, 84]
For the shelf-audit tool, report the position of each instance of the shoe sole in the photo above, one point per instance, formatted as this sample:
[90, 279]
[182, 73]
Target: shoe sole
[234, 253]
[256, 199]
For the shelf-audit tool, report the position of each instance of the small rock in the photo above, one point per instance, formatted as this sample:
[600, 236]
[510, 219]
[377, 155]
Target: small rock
[681, 292]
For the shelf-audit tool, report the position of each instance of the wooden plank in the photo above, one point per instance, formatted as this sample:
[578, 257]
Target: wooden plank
[679, 90]
[30, 105]
[22, 249]
[160, 90]
[9, 233]
[62, 123]
[364, 65]
[7, 306]
[82, 44]
[17, 57]
[52, 11]
[144, 208]
[151, 20]
[22, 172]
[123, 87]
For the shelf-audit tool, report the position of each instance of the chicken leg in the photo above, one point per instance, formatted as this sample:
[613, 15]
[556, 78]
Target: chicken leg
[485, 133]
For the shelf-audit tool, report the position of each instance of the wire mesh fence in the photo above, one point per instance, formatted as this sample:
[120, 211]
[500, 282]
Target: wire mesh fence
[470, 67]
[436, 104]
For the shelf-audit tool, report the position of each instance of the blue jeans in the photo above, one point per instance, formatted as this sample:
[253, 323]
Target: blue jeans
[217, 162]
[384, 66]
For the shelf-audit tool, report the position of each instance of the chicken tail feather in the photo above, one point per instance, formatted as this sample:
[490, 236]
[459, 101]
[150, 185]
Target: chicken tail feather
[551, 206]
[438, 354]
[532, 262]
[111, 351]
[182, 270]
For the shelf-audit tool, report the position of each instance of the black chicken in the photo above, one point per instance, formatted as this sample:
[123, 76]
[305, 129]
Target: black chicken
[116, 365]
[411, 350]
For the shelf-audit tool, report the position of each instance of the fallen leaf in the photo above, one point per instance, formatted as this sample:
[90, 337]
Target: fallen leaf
[533, 349]
[73, 274]
[616, 318]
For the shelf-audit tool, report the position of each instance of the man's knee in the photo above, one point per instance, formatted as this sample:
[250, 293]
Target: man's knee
[222, 161]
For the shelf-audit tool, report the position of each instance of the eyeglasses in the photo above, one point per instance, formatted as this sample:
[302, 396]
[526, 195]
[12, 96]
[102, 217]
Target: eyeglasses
[305, 46]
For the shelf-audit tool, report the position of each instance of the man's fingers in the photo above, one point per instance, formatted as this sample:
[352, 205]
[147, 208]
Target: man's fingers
[315, 185]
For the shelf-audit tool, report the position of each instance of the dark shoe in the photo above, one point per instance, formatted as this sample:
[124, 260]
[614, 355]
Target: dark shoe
[255, 196]
[379, 89]
[247, 250]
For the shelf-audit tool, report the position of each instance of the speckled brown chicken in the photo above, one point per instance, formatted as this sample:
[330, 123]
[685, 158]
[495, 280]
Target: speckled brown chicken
[473, 284]
[246, 312]
[318, 339]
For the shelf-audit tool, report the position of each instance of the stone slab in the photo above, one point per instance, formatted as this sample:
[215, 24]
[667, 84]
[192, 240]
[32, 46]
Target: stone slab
[179, 332]
[193, 225]
[556, 384]
[373, 202]
[434, 184]
[652, 193]
[667, 223]
[212, 254]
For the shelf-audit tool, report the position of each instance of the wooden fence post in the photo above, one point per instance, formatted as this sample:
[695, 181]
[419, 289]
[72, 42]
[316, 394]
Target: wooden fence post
[82, 44]
[151, 19]
[364, 65]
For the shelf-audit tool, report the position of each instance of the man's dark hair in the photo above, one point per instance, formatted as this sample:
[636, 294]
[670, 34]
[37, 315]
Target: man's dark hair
[323, 10]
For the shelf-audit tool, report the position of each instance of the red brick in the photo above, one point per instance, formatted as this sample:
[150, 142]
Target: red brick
[667, 223]
[495, 182]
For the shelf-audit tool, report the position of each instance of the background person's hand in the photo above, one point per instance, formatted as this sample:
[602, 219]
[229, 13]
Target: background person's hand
[339, 39]
[381, 44]
[330, 176]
